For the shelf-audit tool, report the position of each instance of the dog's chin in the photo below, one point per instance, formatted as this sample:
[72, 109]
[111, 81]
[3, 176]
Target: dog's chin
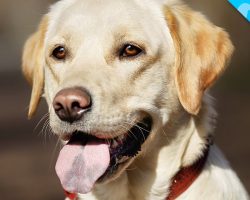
[122, 149]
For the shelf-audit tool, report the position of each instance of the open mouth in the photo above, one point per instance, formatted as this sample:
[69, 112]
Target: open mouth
[105, 156]
[122, 147]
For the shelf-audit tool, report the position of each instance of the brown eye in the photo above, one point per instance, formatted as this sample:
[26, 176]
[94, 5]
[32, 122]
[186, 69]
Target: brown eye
[130, 50]
[59, 53]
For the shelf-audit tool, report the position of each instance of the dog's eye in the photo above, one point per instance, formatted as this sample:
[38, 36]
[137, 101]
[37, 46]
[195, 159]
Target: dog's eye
[130, 50]
[59, 53]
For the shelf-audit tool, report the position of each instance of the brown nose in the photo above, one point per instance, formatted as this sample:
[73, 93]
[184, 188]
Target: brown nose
[70, 104]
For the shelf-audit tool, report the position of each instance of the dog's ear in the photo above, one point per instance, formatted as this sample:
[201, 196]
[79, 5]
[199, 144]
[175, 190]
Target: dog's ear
[32, 64]
[202, 52]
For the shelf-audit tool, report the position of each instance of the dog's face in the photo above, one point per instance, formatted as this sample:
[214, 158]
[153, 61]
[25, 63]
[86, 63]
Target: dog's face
[115, 52]
[131, 63]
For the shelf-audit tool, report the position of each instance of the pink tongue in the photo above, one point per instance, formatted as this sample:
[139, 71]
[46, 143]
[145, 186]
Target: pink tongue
[79, 167]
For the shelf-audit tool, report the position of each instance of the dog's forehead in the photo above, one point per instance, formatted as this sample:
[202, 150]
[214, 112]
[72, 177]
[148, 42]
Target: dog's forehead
[104, 9]
[97, 17]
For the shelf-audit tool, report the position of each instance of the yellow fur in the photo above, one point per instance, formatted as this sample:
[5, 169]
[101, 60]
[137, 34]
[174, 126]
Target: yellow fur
[203, 51]
[33, 64]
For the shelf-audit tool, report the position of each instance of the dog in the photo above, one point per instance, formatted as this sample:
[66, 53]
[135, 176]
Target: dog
[126, 83]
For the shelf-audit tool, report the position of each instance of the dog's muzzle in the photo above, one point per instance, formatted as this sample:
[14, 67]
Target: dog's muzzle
[87, 159]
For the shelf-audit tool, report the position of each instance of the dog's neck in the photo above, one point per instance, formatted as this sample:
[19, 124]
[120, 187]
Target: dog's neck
[177, 145]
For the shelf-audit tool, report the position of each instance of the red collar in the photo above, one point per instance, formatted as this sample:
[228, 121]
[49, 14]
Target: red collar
[186, 176]
[70, 196]
[181, 181]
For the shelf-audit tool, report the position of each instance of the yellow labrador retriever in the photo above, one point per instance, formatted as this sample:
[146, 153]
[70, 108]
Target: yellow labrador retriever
[125, 83]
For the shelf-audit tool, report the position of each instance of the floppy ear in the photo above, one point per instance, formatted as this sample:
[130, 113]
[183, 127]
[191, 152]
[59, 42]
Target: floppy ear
[202, 51]
[32, 64]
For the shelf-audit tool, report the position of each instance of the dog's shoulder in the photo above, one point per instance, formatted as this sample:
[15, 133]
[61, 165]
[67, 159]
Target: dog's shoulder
[217, 180]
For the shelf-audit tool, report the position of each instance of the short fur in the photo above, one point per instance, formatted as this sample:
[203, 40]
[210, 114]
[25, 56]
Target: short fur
[184, 55]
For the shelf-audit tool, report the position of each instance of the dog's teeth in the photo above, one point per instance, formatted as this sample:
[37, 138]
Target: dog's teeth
[120, 138]
[114, 144]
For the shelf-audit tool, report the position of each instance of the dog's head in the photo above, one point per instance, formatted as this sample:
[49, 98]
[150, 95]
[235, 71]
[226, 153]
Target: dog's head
[116, 70]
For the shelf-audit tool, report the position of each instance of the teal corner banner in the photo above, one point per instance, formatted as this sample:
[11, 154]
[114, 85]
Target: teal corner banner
[243, 6]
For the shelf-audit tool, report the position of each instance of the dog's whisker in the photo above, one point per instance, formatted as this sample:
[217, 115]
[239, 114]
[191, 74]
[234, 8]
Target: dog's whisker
[131, 133]
[42, 130]
[40, 121]
[140, 128]
[46, 130]
[44, 125]
[128, 131]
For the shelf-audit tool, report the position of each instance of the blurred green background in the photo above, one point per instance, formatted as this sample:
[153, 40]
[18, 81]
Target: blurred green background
[27, 154]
